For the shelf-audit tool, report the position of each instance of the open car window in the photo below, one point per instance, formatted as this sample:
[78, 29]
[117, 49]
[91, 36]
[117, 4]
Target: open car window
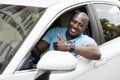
[31, 60]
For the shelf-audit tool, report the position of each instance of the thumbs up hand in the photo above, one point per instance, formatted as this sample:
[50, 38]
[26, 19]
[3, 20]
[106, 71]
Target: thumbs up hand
[61, 44]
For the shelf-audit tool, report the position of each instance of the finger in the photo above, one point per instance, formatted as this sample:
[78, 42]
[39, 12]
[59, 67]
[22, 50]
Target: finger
[59, 37]
[55, 47]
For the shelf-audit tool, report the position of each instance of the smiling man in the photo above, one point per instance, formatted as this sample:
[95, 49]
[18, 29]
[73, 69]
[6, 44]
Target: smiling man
[72, 39]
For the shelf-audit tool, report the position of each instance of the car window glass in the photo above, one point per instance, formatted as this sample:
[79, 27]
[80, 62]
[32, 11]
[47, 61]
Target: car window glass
[15, 24]
[109, 16]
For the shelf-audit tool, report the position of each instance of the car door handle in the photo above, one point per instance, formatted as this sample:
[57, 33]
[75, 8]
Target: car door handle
[100, 62]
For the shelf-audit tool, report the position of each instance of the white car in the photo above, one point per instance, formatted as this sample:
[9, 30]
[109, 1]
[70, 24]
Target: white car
[24, 22]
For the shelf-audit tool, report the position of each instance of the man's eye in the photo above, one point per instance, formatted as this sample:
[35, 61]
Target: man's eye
[73, 21]
[81, 25]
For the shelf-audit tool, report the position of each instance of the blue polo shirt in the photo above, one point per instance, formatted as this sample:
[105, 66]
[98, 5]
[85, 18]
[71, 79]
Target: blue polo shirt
[81, 40]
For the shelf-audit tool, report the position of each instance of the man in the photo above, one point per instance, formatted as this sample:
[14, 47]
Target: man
[72, 39]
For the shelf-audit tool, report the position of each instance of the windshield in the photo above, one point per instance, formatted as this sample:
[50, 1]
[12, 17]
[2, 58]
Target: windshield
[16, 23]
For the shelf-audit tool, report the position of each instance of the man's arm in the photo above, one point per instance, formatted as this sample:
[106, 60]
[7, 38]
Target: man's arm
[42, 46]
[91, 51]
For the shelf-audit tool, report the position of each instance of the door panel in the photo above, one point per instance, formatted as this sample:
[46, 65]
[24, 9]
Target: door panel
[109, 71]
[19, 76]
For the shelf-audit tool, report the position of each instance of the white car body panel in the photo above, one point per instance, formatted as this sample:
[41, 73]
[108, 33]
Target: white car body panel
[106, 72]
[37, 3]
[44, 3]
[19, 76]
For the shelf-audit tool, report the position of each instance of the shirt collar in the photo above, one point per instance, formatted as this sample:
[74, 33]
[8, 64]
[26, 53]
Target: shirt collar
[74, 40]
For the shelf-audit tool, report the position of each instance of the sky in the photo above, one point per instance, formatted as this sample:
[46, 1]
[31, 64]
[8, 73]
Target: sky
[111, 13]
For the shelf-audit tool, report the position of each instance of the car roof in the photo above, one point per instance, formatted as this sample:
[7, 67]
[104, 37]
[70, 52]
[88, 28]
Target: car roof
[42, 3]
[37, 3]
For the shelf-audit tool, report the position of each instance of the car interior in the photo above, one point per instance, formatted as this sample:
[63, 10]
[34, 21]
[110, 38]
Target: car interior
[32, 59]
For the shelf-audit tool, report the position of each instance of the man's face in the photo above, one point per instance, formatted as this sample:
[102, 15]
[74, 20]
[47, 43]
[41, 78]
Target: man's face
[77, 25]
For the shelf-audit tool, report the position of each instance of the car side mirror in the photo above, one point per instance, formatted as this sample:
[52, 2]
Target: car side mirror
[57, 60]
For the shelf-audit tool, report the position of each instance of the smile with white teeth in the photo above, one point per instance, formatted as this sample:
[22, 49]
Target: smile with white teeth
[73, 30]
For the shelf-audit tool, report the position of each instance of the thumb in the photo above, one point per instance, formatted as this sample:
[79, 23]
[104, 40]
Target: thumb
[59, 37]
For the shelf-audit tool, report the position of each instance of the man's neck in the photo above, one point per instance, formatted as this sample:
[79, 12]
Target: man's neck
[69, 37]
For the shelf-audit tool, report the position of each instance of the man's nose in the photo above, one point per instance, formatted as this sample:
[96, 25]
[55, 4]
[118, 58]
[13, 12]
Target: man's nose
[76, 25]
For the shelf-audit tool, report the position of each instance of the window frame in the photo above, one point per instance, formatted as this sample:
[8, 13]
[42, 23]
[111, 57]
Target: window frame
[97, 21]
